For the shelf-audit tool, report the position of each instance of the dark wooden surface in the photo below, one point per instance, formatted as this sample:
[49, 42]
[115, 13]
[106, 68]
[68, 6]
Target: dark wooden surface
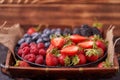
[65, 12]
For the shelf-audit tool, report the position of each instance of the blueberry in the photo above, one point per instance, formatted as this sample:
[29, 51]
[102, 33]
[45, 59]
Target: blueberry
[35, 37]
[59, 30]
[85, 26]
[28, 40]
[26, 35]
[53, 31]
[67, 31]
[39, 40]
[76, 31]
[45, 30]
[34, 34]
[45, 39]
[57, 33]
[48, 32]
[44, 35]
[47, 44]
[22, 40]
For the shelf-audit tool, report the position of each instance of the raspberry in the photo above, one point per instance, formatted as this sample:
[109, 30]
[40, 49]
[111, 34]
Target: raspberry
[34, 50]
[20, 52]
[39, 59]
[40, 45]
[22, 64]
[42, 52]
[26, 50]
[30, 57]
[24, 45]
[33, 44]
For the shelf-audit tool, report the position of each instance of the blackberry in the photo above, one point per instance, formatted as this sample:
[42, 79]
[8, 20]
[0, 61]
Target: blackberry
[85, 30]
[76, 30]
[95, 31]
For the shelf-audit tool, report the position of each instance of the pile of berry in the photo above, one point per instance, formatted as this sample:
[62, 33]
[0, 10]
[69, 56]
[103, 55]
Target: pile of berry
[57, 47]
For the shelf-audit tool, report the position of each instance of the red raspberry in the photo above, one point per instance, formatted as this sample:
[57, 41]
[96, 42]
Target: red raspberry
[39, 59]
[34, 50]
[40, 45]
[22, 64]
[42, 52]
[33, 44]
[30, 57]
[24, 45]
[20, 52]
[25, 50]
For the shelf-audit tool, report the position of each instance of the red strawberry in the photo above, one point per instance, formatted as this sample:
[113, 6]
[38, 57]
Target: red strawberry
[79, 59]
[58, 42]
[30, 57]
[93, 54]
[39, 59]
[51, 60]
[82, 59]
[50, 48]
[26, 50]
[41, 45]
[86, 44]
[24, 45]
[64, 60]
[77, 38]
[104, 64]
[31, 30]
[101, 44]
[70, 50]
[22, 64]
[42, 52]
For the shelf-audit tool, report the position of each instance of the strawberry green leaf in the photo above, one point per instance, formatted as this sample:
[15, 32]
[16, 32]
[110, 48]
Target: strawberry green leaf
[75, 60]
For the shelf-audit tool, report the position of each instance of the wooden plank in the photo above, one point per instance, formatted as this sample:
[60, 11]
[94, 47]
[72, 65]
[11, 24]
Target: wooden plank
[59, 1]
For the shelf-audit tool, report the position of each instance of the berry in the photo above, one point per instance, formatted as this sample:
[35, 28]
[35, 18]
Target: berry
[45, 39]
[28, 40]
[85, 30]
[39, 59]
[34, 50]
[47, 44]
[22, 64]
[24, 45]
[20, 52]
[26, 35]
[31, 30]
[95, 31]
[42, 52]
[22, 40]
[33, 44]
[39, 40]
[76, 31]
[67, 31]
[40, 45]
[25, 50]
[35, 37]
[30, 57]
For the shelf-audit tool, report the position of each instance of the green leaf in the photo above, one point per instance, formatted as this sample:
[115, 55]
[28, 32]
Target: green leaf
[67, 61]
[75, 60]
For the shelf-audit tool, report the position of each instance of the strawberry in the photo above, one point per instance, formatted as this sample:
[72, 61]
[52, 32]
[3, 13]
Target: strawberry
[50, 48]
[51, 60]
[101, 45]
[86, 44]
[30, 57]
[64, 60]
[58, 42]
[93, 54]
[104, 64]
[39, 59]
[22, 64]
[70, 50]
[101, 65]
[77, 38]
[31, 30]
[79, 59]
